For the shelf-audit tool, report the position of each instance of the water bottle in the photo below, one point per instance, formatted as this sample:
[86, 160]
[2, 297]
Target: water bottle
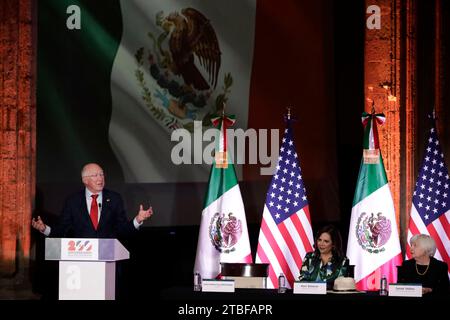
[197, 281]
[383, 286]
[281, 283]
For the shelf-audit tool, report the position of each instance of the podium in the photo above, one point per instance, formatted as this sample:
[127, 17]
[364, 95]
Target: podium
[87, 267]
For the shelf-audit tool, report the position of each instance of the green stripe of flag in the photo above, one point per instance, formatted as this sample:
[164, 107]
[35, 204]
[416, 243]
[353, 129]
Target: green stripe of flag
[220, 181]
[371, 177]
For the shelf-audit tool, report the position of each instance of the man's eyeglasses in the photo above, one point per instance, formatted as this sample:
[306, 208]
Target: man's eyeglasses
[101, 175]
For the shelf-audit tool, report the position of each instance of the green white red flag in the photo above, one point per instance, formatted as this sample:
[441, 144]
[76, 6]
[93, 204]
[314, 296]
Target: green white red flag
[223, 235]
[373, 240]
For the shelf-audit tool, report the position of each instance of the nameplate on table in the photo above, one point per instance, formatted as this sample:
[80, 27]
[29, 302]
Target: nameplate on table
[212, 285]
[405, 290]
[302, 287]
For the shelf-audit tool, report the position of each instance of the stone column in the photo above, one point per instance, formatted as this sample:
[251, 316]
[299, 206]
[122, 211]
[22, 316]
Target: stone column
[390, 82]
[382, 86]
[17, 133]
[409, 124]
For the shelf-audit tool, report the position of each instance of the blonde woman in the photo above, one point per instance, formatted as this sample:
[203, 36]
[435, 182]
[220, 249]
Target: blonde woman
[423, 268]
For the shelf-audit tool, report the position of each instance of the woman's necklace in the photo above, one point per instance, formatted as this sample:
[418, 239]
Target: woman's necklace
[421, 274]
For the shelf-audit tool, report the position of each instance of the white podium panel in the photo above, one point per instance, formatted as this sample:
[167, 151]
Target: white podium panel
[87, 267]
[85, 280]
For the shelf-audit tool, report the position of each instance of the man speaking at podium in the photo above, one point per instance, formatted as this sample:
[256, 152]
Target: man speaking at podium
[94, 212]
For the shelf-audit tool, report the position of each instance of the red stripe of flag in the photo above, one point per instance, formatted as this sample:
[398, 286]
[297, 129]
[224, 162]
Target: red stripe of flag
[308, 216]
[262, 255]
[224, 128]
[414, 230]
[301, 231]
[248, 258]
[290, 244]
[440, 246]
[413, 227]
[445, 225]
[276, 250]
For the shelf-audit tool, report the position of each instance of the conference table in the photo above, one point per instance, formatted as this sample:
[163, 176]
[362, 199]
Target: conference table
[345, 303]
[187, 293]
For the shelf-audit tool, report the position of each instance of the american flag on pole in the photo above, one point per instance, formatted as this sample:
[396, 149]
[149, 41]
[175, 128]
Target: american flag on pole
[430, 211]
[286, 234]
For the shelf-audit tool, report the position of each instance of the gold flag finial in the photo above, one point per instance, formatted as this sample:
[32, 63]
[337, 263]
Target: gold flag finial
[221, 157]
[289, 113]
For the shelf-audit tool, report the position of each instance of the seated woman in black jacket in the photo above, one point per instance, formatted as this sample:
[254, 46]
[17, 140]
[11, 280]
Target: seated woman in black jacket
[423, 268]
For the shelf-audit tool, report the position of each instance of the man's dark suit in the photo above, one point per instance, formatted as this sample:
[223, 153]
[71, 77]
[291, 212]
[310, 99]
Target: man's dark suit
[75, 220]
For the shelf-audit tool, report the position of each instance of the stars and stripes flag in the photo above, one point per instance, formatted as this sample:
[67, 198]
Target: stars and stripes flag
[286, 234]
[430, 211]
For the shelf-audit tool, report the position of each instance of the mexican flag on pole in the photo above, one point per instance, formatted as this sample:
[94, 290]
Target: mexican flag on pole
[223, 235]
[373, 240]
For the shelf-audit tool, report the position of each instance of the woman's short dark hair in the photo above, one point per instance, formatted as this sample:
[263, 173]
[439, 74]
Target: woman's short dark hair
[336, 240]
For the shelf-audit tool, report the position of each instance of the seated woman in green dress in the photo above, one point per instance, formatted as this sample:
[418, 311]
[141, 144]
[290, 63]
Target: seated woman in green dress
[327, 261]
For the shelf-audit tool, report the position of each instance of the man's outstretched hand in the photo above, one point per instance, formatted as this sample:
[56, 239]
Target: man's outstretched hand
[143, 214]
[38, 224]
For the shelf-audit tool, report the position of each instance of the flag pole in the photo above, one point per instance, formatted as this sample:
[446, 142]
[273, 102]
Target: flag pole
[222, 155]
[433, 114]
[223, 109]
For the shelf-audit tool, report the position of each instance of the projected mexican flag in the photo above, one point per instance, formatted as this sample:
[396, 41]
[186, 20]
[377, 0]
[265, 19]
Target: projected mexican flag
[177, 62]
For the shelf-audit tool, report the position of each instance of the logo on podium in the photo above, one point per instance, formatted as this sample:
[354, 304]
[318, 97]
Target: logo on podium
[79, 249]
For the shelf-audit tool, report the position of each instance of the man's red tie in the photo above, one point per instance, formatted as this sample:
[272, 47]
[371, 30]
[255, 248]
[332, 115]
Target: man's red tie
[94, 211]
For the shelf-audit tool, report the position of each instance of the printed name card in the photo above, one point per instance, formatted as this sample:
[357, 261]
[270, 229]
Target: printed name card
[212, 285]
[310, 287]
[405, 290]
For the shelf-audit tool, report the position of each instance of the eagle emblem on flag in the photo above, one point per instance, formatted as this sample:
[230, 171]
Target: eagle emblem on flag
[179, 73]
[225, 231]
[373, 231]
